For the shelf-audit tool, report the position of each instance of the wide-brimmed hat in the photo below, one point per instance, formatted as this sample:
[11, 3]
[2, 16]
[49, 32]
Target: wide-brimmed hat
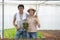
[31, 9]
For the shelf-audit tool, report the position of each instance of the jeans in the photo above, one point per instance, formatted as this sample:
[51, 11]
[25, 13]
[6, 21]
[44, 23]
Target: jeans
[18, 33]
[32, 35]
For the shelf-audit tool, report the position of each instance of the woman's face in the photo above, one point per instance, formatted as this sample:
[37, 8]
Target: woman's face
[31, 12]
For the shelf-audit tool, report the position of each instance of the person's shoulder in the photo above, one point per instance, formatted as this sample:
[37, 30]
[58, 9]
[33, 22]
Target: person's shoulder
[26, 14]
[15, 15]
[35, 17]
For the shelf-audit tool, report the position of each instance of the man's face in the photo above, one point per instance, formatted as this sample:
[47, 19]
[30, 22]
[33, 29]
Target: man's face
[21, 9]
[31, 12]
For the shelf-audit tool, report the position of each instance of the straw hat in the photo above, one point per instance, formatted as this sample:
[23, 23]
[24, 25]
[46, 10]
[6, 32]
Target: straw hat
[31, 9]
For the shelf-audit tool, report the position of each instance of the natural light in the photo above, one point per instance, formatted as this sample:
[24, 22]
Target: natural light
[48, 13]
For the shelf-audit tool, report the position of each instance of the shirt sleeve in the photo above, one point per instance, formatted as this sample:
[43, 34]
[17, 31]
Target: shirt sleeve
[27, 15]
[14, 15]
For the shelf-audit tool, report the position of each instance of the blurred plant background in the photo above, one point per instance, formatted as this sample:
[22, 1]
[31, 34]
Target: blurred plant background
[10, 33]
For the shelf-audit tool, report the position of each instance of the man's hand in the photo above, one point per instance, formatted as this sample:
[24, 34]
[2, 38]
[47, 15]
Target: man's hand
[16, 26]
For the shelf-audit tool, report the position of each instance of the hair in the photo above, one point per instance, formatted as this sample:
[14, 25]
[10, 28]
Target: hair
[20, 5]
[32, 10]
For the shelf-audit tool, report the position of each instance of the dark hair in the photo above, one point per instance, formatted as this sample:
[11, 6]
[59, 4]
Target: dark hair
[20, 5]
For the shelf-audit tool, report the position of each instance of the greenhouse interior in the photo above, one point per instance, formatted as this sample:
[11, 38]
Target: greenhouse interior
[48, 13]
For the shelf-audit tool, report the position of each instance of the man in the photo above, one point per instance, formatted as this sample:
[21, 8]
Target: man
[20, 17]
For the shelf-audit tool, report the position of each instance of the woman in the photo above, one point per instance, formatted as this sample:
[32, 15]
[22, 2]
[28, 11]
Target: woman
[32, 20]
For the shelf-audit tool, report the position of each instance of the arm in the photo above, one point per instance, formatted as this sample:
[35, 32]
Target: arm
[14, 20]
[37, 21]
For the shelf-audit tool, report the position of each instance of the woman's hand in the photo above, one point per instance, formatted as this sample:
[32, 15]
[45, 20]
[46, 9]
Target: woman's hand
[39, 25]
